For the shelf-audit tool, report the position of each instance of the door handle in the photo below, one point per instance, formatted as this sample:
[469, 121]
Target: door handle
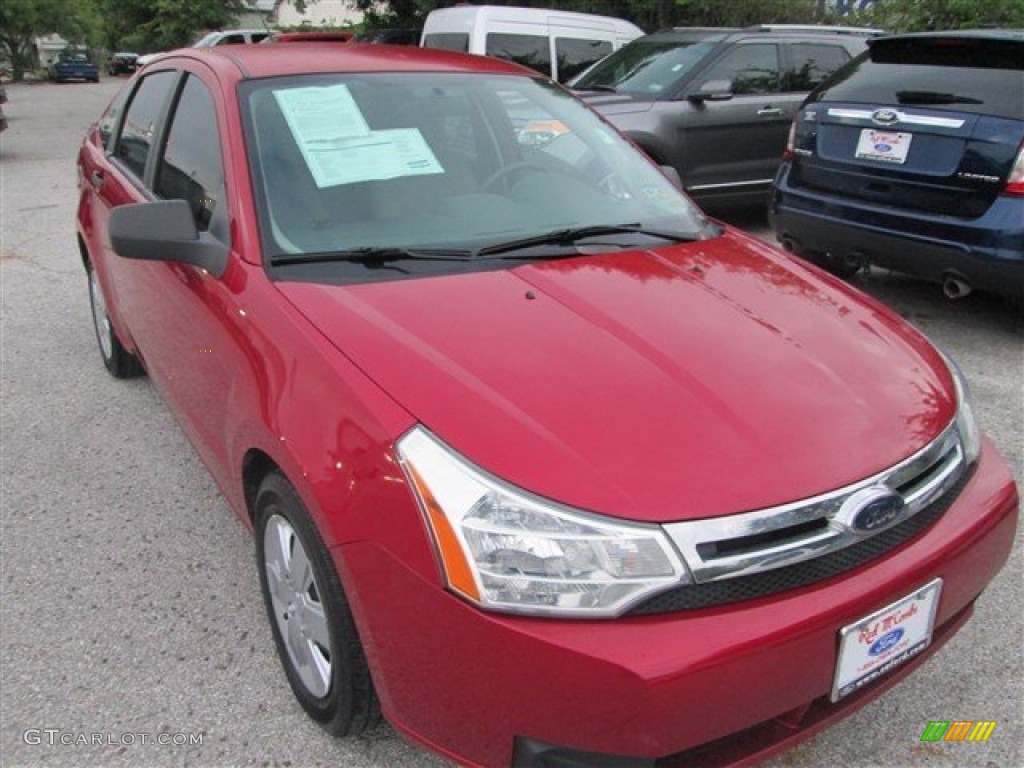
[96, 179]
[769, 111]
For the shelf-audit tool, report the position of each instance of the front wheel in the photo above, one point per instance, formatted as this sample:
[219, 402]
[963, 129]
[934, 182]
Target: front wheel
[313, 628]
[121, 363]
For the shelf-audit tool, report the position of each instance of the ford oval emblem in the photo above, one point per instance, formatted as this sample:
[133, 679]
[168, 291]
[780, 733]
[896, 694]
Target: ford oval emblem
[886, 642]
[872, 509]
[885, 116]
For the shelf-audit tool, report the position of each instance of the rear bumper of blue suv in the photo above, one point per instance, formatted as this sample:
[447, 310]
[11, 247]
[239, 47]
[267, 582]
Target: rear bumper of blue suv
[984, 253]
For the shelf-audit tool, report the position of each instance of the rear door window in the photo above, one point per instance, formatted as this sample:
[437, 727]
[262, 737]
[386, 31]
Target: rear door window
[108, 122]
[811, 63]
[143, 116]
[531, 51]
[576, 54]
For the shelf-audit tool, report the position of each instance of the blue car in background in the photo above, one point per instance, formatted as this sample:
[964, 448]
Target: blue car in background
[912, 158]
[74, 65]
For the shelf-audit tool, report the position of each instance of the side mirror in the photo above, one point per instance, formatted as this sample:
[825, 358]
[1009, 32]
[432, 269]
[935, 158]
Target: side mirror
[670, 173]
[165, 231]
[712, 90]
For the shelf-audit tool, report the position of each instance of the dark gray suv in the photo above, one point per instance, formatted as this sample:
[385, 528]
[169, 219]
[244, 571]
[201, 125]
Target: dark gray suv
[714, 103]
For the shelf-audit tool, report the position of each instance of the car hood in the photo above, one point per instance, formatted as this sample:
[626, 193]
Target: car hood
[699, 380]
[615, 103]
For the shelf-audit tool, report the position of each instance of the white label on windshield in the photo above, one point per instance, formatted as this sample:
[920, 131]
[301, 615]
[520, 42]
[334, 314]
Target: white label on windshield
[378, 155]
[338, 145]
[319, 116]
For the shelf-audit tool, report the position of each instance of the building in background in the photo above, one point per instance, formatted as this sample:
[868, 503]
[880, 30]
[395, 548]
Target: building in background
[332, 13]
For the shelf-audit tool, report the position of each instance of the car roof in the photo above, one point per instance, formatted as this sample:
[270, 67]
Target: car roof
[244, 62]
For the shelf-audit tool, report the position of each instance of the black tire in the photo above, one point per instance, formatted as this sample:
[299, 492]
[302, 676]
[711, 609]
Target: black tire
[121, 363]
[284, 531]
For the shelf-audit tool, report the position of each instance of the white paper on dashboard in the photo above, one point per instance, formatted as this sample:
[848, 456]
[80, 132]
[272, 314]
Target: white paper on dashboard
[376, 156]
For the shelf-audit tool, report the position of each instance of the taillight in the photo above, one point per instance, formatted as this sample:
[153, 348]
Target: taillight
[791, 143]
[1015, 183]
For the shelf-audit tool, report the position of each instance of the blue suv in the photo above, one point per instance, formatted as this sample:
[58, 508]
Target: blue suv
[912, 158]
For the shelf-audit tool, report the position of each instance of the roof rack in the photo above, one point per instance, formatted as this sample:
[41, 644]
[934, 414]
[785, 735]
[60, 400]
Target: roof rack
[829, 28]
[699, 29]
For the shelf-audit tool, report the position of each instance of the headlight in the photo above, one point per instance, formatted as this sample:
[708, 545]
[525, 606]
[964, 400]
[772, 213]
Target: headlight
[966, 423]
[508, 550]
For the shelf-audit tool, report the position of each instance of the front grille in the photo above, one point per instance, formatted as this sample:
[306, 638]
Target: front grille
[737, 589]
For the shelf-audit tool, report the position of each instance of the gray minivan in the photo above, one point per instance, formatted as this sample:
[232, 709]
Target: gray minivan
[717, 103]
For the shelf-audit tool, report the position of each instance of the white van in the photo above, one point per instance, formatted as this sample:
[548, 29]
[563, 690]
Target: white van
[560, 44]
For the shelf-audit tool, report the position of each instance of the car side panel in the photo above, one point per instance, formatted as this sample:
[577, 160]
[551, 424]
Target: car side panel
[732, 147]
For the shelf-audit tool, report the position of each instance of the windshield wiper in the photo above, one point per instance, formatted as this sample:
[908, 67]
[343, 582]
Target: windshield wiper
[567, 237]
[934, 97]
[597, 87]
[372, 255]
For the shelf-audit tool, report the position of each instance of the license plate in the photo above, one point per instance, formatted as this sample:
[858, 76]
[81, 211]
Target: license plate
[887, 638]
[884, 146]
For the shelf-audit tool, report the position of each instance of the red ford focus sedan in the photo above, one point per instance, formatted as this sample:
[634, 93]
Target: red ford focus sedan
[542, 464]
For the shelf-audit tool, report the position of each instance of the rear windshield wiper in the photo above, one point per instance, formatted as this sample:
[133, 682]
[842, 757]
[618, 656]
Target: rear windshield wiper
[372, 255]
[934, 97]
[567, 237]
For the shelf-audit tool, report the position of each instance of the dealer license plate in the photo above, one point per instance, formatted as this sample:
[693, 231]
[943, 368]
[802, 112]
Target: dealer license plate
[884, 146]
[887, 638]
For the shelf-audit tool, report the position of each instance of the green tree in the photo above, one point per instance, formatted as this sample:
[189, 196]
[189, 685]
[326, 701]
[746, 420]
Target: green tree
[922, 15]
[22, 21]
[160, 25]
[716, 13]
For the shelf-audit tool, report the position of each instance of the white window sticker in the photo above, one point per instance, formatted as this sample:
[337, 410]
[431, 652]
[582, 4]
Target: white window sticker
[378, 155]
[338, 145]
[319, 116]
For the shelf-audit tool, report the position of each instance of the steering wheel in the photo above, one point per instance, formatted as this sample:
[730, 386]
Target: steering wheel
[508, 170]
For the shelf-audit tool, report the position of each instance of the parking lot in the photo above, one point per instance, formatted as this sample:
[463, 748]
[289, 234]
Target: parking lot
[131, 612]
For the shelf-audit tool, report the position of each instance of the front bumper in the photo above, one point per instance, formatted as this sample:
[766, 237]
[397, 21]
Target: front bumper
[986, 252]
[487, 689]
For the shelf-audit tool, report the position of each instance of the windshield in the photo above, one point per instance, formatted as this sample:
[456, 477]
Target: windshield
[444, 161]
[645, 67]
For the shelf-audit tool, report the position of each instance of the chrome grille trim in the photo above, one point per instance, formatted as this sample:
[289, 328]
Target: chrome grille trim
[921, 480]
